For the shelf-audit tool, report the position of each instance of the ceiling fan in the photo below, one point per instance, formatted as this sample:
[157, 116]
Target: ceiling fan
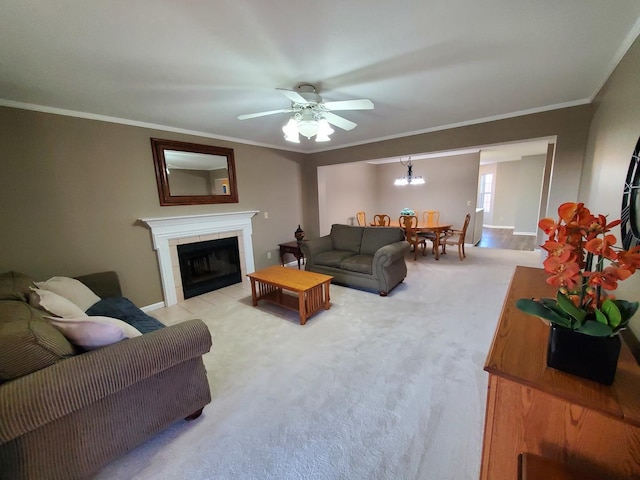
[311, 115]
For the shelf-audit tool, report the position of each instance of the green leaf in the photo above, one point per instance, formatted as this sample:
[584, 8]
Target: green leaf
[537, 309]
[601, 317]
[595, 329]
[568, 306]
[627, 309]
[612, 312]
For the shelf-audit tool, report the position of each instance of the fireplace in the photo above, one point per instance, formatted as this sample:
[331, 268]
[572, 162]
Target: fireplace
[208, 266]
[169, 232]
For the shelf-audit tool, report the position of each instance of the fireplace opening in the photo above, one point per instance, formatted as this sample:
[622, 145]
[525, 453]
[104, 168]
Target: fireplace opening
[208, 266]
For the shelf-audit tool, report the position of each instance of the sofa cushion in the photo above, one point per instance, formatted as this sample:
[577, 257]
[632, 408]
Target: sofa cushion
[358, 263]
[374, 238]
[54, 304]
[124, 309]
[15, 286]
[346, 237]
[332, 258]
[27, 341]
[71, 289]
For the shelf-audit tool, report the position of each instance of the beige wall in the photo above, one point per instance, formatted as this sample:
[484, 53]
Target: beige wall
[450, 182]
[71, 191]
[612, 138]
[570, 125]
[344, 190]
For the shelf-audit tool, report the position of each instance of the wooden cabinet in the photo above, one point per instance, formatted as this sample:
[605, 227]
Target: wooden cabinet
[535, 409]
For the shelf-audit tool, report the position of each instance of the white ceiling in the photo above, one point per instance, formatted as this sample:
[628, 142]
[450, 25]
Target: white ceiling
[196, 65]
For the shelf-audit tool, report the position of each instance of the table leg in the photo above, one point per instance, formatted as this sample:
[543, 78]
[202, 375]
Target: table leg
[281, 257]
[254, 299]
[327, 298]
[301, 308]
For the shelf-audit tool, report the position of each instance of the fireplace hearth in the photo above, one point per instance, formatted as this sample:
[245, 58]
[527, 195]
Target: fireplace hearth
[210, 265]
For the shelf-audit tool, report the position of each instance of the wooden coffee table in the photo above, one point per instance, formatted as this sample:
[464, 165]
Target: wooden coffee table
[312, 289]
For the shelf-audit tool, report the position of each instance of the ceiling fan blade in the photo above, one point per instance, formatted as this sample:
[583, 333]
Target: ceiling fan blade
[338, 121]
[262, 114]
[293, 96]
[360, 104]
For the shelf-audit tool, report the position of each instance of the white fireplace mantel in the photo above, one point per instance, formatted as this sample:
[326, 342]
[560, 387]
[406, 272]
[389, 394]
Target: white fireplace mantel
[165, 229]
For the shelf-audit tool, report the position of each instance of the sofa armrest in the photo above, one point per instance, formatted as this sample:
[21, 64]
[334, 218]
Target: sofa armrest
[313, 247]
[36, 399]
[389, 254]
[103, 284]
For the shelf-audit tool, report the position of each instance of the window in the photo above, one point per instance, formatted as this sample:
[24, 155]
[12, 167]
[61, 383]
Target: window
[486, 191]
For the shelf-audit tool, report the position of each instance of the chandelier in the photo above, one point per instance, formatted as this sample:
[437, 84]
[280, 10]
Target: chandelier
[307, 123]
[409, 178]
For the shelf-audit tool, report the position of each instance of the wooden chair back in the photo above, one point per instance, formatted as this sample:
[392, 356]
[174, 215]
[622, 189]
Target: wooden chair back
[409, 223]
[362, 219]
[430, 217]
[381, 220]
[456, 237]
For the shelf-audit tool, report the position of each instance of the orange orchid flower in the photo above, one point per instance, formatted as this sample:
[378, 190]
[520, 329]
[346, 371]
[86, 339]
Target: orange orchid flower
[630, 259]
[602, 246]
[563, 273]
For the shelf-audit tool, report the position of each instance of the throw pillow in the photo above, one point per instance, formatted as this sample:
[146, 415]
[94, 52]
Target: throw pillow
[71, 289]
[89, 335]
[125, 310]
[54, 303]
[127, 330]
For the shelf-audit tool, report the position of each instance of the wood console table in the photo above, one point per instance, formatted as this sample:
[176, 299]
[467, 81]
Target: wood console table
[292, 248]
[539, 410]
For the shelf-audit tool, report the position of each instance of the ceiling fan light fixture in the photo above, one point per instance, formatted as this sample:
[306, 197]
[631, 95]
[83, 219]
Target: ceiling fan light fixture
[324, 130]
[291, 131]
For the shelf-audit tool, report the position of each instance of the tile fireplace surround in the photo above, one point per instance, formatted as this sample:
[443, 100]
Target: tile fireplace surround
[168, 232]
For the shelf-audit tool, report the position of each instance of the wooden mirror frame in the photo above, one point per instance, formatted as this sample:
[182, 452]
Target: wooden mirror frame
[159, 146]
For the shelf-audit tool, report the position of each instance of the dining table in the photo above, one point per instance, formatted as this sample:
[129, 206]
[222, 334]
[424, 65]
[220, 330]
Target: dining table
[436, 227]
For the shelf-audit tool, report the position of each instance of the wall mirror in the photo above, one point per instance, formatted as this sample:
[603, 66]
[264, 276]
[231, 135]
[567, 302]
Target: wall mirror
[192, 174]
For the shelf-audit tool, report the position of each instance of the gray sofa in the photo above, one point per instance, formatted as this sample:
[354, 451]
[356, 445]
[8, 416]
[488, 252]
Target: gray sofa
[363, 257]
[65, 413]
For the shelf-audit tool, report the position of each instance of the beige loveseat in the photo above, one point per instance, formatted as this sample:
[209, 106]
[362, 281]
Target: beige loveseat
[65, 414]
[363, 257]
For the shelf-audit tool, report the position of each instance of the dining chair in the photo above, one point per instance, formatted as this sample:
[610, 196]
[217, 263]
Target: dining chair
[456, 237]
[362, 219]
[409, 223]
[430, 217]
[381, 220]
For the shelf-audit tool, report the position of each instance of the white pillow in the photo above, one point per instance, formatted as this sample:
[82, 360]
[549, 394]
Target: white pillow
[54, 303]
[71, 289]
[88, 335]
[128, 331]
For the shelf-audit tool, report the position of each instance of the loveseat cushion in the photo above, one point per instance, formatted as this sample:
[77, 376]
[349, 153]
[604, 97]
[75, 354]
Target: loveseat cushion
[15, 286]
[124, 309]
[332, 258]
[27, 341]
[358, 263]
[346, 237]
[374, 238]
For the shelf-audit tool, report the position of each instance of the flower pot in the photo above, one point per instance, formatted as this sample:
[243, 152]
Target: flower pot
[593, 358]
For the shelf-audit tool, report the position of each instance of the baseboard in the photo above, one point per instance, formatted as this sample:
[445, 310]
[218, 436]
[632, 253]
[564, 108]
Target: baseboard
[528, 234]
[152, 307]
[499, 226]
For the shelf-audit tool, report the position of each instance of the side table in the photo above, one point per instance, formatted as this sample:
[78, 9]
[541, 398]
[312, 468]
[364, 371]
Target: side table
[292, 248]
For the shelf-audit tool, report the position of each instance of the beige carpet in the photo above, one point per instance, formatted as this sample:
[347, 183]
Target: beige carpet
[374, 388]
